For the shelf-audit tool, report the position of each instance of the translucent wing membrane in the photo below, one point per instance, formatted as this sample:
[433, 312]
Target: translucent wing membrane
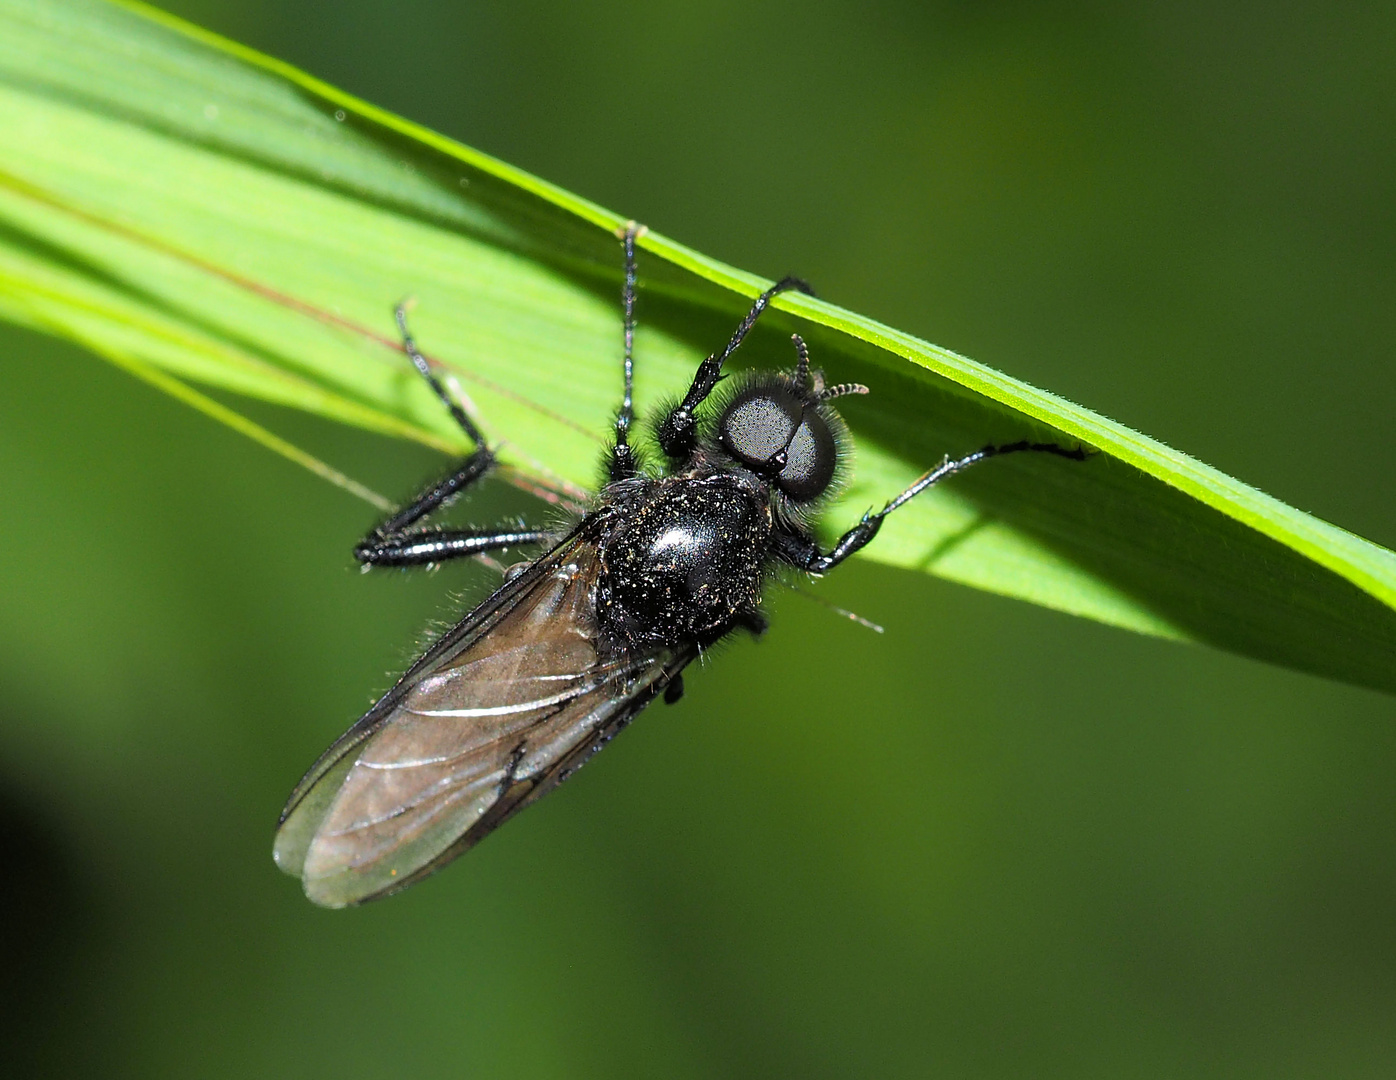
[494, 716]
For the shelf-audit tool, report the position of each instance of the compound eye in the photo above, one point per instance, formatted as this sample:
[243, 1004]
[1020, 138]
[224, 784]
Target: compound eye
[809, 461]
[758, 425]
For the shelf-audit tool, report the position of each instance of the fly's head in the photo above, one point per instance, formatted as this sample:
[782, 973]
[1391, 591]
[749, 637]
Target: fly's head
[780, 426]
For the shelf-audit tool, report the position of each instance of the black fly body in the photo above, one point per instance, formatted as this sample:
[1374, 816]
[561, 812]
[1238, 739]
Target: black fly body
[520, 694]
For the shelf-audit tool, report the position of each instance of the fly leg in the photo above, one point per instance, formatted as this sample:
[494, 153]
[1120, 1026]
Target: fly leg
[396, 542]
[622, 465]
[409, 346]
[805, 554]
[423, 546]
[678, 432]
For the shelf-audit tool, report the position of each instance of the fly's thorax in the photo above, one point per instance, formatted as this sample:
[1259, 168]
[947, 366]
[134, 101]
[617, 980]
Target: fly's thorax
[684, 560]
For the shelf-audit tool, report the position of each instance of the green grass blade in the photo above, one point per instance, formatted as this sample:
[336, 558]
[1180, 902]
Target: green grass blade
[204, 214]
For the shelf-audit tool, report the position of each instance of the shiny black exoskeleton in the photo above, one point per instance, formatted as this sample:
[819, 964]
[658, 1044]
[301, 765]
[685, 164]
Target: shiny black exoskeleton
[683, 557]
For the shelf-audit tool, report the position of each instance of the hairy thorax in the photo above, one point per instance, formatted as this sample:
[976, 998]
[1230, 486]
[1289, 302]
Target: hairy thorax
[682, 558]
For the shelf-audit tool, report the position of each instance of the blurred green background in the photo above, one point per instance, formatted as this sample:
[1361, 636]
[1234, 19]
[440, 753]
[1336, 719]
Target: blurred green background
[994, 841]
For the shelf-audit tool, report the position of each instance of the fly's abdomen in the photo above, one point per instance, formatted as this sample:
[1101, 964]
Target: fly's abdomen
[684, 563]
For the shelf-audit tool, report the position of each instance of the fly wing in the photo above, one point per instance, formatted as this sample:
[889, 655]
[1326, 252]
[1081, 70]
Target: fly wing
[495, 715]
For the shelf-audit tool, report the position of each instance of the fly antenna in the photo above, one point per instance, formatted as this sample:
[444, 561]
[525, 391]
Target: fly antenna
[802, 351]
[842, 390]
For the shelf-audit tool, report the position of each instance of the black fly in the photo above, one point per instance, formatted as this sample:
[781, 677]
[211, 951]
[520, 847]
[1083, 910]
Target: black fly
[574, 644]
